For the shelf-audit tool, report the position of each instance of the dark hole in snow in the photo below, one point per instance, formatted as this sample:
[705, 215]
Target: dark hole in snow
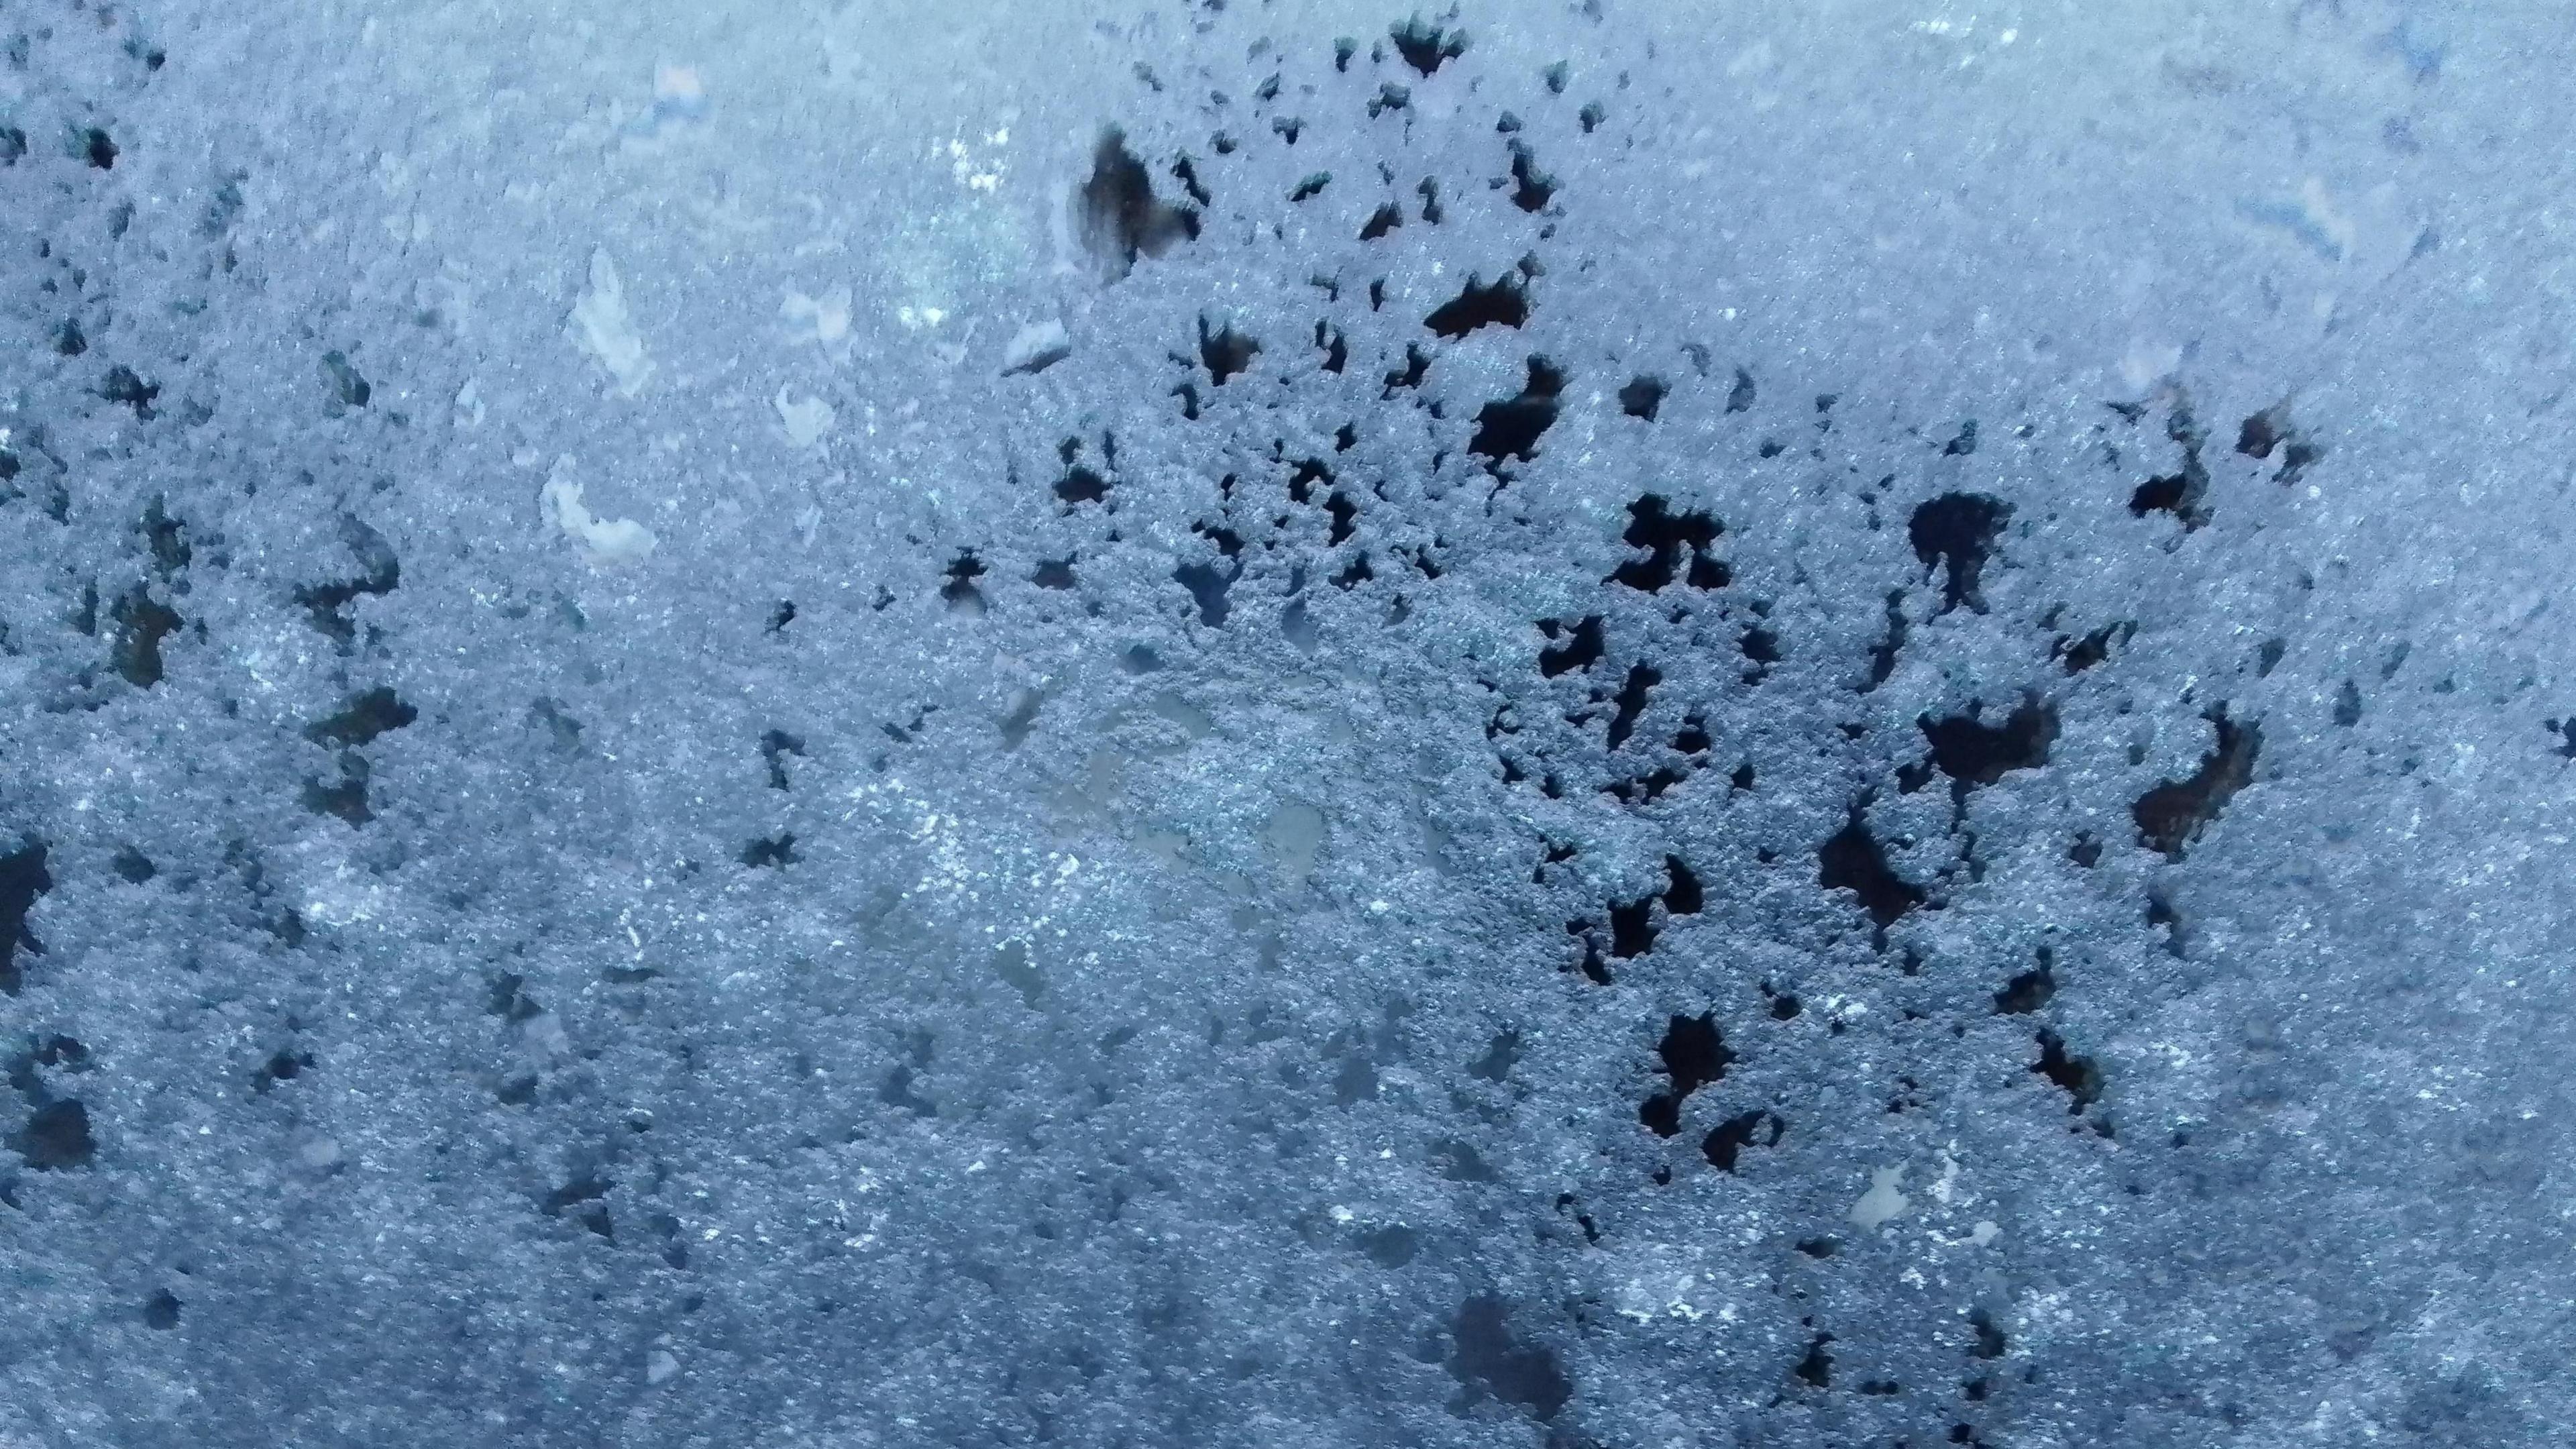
[1224, 351]
[1511, 427]
[1643, 397]
[365, 716]
[1426, 46]
[2173, 814]
[1694, 1054]
[1956, 532]
[1487, 1359]
[56, 1137]
[1503, 302]
[1654, 527]
[1581, 649]
[1120, 218]
[1852, 859]
[1732, 1136]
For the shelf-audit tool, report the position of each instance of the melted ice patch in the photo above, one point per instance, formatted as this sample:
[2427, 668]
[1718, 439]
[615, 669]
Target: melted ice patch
[603, 541]
[600, 326]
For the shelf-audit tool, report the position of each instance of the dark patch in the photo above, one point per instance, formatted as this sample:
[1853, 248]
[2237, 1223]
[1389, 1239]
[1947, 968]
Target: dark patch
[1682, 893]
[1643, 397]
[1501, 303]
[1694, 1054]
[1385, 219]
[1972, 752]
[1053, 574]
[2079, 1076]
[1390, 1247]
[1963, 443]
[1581, 649]
[1487, 1360]
[98, 148]
[23, 878]
[1666, 535]
[1722, 1146]
[68, 340]
[1816, 1369]
[56, 1138]
[2347, 705]
[1207, 585]
[1312, 186]
[1739, 398]
[1511, 427]
[2027, 992]
[1957, 532]
[378, 572]
[1426, 46]
[776, 852]
[2172, 815]
[960, 591]
[1632, 702]
[2078, 655]
[1852, 859]
[142, 622]
[1532, 189]
[1120, 218]
[123, 385]
[365, 717]
[775, 747]
[161, 1311]
[342, 385]
[1225, 352]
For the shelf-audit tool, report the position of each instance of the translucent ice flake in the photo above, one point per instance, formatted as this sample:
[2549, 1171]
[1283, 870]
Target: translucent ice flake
[1884, 1202]
[600, 326]
[823, 320]
[603, 541]
[806, 421]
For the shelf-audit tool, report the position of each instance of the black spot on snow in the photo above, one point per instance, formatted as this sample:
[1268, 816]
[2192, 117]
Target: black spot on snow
[1502, 303]
[1488, 1360]
[1739, 398]
[161, 1310]
[1426, 46]
[1532, 188]
[23, 878]
[1652, 526]
[56, 1137]
[2172, 815]
[1852, 859]
[1972, 752]
[122, 385]
[2027, 992]
[1736, 1133]
[1207, 585]
[1632, 702]
[1643, 397]
[342, 384]
[1120, 217]
[1957, 532]
[1695, 1054]
[365, 716]
[2079, 1076]
[142, 622]
[1682, 894]
[1581, 649]
[1511, 427]
[1224, 351]
[1816, 1370]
